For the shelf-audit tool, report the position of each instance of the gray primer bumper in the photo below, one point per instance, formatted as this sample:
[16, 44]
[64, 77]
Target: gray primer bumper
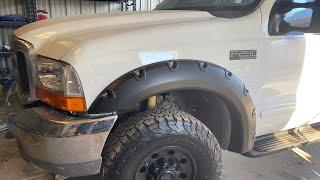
[64, 145]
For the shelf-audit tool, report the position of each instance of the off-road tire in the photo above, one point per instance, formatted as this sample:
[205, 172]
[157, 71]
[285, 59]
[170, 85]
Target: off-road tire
[146, 133]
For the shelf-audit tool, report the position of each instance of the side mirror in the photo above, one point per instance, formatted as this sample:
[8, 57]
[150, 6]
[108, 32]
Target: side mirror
[289, 17]
[298, 18]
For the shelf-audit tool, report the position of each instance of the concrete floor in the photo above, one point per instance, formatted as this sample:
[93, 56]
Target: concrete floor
[12, 167]
[285, 165]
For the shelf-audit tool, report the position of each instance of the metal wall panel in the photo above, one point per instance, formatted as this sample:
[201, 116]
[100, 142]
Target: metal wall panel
[74, 7]
[7, 33]
[10, 7]
[102, 7]
[58, 8]
[2, 37]
[87, 7]
[7, 7]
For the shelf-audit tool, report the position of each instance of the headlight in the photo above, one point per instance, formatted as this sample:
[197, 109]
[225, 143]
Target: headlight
[59, 85]
[59, 76]
[50, 74]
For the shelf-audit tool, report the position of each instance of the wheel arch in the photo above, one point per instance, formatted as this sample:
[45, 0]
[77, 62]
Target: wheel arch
[127, 92]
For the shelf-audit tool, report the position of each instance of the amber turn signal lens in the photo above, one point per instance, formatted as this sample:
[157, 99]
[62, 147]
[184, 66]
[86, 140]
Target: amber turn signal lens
[76, 104]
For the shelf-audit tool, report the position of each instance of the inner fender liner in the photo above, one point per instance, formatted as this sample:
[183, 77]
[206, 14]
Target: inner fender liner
[128, 91]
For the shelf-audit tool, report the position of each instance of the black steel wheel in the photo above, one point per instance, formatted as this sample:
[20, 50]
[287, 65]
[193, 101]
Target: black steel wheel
[167, 163]
[162, 144]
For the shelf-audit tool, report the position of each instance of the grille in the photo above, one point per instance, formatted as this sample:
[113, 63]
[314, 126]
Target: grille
[24, 67]
[22, 72]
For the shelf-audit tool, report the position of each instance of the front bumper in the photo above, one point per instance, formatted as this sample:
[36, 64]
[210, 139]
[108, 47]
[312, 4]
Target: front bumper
[62, 144]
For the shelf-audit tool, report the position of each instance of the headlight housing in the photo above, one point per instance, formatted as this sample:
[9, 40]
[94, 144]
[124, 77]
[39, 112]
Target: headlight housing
[59, 85]
[51, 74]
[59, 76]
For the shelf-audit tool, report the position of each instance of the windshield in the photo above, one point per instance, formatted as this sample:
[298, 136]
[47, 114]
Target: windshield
[202, 4]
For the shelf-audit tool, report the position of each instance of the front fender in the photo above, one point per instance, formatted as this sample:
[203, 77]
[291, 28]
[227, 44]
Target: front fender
[132, 88]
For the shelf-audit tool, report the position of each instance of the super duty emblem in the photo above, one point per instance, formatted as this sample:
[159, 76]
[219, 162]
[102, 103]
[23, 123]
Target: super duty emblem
[243, 54]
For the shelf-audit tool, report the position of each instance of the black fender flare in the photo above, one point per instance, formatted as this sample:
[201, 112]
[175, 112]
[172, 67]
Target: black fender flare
[138, 85]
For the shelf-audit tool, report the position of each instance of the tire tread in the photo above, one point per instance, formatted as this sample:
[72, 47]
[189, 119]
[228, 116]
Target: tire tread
[142, 127]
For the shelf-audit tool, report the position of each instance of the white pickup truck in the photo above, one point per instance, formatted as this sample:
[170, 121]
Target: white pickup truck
[157, 95]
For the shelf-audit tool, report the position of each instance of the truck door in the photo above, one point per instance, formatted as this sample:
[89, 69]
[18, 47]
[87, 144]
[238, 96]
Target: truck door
[290, 96]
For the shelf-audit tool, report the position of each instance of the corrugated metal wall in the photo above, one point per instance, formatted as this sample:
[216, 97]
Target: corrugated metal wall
[56, 8]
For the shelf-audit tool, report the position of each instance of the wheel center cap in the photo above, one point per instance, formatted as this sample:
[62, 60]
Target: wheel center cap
[168, 175]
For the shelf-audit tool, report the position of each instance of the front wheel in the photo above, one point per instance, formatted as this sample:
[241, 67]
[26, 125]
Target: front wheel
[162, 144]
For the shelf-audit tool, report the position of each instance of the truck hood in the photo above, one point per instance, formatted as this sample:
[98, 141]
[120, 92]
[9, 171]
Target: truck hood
[55, 37]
